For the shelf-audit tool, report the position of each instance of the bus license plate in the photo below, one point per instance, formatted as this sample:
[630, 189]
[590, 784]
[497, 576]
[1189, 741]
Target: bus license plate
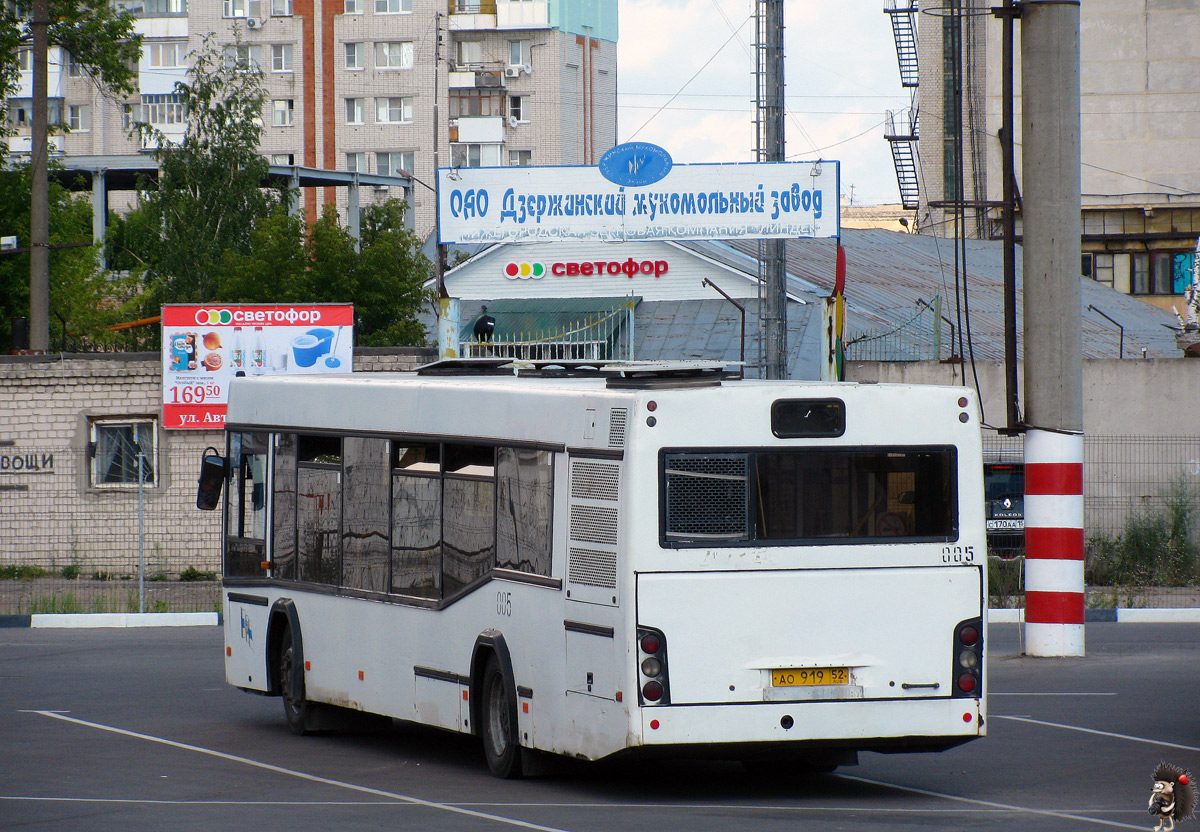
[796, 676]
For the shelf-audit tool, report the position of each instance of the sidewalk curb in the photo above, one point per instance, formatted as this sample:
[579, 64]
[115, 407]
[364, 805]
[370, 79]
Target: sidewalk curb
[112, 619]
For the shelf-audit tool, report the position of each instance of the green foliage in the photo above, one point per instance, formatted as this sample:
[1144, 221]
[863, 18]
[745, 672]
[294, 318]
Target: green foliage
[99, 35]
[1156, 548]
[209, 195]
[14, 572]
[194, 574]
[79, 290]
[72, 571]
[1006, 582]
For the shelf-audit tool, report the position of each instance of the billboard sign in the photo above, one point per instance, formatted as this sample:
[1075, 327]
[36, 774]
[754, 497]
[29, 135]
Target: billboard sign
[204, 347]
[638, 195]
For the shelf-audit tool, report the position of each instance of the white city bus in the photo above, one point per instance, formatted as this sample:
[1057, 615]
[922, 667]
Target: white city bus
[594, 561]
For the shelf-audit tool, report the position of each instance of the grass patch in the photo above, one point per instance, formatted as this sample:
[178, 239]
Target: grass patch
[14, 572]
[194, 574]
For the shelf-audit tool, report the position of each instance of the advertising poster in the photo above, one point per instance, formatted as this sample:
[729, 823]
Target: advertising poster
[204, 347]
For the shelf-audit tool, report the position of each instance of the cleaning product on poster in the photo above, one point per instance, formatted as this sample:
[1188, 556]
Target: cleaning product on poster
[183, 352]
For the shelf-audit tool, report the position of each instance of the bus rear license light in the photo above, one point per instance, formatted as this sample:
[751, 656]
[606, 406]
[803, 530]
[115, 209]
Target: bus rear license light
[968, 635]
[651, 667]
[966, 683]
[652, 691]
[968, 660]
[650, 643]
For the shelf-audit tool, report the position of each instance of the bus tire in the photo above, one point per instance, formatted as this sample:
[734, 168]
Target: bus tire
[499, 722]
[291, 685]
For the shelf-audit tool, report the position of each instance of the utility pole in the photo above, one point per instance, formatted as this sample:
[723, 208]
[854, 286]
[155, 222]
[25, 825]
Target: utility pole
[39, 200]
[1051, 225]
[769, 82]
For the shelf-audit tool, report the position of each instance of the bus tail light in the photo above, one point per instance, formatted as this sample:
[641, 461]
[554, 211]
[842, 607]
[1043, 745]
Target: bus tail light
[652, 667]
[967, 672]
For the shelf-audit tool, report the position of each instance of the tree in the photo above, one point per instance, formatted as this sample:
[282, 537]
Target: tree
[384, 277]
[79, 292]
[102, 40]
[210, 195]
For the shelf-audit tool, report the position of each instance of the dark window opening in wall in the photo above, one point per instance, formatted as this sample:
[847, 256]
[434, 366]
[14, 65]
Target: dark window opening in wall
[951, 97]
[120, 448]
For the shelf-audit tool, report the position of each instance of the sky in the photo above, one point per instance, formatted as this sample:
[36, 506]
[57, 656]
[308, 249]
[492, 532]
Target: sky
[696, 57]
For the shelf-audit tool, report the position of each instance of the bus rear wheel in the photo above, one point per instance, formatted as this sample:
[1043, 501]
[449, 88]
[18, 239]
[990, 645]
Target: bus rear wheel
[499, 723]
[291, 685]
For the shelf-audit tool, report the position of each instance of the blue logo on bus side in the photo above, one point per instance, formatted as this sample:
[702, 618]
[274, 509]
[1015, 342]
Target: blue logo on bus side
[635, 164]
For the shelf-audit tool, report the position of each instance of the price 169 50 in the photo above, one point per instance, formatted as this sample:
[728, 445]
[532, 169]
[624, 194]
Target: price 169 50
[195, 393]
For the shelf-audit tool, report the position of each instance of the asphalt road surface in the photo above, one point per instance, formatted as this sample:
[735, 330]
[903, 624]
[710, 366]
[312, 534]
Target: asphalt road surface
[136, 729]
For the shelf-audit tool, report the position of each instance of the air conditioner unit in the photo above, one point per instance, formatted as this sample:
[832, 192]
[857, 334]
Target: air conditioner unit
[253, 23]
[512, 121]
[512, 72]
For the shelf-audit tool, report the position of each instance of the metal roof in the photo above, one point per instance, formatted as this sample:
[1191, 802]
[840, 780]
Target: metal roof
[887, 272]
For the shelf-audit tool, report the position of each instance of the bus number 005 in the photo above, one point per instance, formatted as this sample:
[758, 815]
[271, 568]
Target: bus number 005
[504, 603]
[958, 554]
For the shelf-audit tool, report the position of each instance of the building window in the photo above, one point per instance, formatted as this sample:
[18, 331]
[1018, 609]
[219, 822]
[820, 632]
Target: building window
[355, 56]
[242, 8]
[391, 164]
[74, 68]
[282, 108]
[1160, 272]
[469, 53]
[120, 448]
[79, 117]
[474, 155]
[281, 57]
[283, 158]
[243, 57]
[393, 6]
[353, 7]
[520, 158]
[517, 108]
[281, 8]
[167, 55]
[475, 102]
[1102, 269]
[518, 53]
[129, 116]
[162, 109]
[356, 162]
[25, 60]
[395, 55]
[394, 110]
[354, 111]
[155, 7]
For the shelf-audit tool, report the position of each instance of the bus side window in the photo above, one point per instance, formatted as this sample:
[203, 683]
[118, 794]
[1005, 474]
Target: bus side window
[319, 508]
[524, 503]
[416, 537]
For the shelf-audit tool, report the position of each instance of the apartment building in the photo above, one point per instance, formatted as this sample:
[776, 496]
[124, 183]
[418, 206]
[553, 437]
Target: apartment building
[374, 86]
[1140, 102]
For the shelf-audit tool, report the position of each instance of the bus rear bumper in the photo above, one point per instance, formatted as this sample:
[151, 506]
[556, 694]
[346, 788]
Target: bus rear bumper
[869, 725]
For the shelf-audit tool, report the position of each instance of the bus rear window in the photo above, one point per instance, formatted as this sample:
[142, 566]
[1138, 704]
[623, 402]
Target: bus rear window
[809, 496]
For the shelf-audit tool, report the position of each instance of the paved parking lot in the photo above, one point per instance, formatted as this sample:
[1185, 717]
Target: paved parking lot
[122, 729]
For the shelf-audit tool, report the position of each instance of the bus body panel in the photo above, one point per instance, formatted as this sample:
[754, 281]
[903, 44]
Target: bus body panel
[246, 654]
[892, 629]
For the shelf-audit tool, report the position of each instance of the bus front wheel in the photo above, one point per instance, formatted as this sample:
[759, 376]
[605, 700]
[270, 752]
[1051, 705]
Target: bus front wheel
[291, 685]
[499, 723]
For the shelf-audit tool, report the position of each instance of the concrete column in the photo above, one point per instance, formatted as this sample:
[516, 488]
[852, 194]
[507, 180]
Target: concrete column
[1053, 365]
[99, 211]
[353, 215]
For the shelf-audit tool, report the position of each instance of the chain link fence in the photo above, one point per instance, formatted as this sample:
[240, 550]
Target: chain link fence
[81, 531]
[77, 534]
[1141, 515]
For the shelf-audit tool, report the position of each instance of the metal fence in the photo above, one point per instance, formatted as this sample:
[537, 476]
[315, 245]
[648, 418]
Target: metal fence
[1141, 516]
[597, 337]
[78, 534]
[917, 338]
[68, 544]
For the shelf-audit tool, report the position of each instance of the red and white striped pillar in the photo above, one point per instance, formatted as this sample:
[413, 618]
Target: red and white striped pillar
[1053, 543]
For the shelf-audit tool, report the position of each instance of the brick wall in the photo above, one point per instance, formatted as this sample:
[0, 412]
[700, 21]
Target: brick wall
[52, 514]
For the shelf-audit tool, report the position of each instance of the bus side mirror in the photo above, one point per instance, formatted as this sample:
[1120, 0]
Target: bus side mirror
[212, 476]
